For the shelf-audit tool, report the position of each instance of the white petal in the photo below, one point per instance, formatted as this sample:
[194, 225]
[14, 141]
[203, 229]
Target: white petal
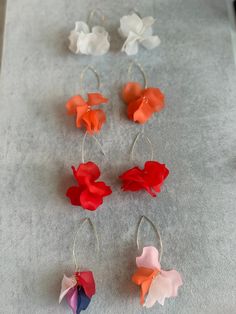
[81, 27]
[130, 23]
[95, 44]
[130, 46]
[73, 38]
[150, 42]
[148, 21]
[66, 284]
[165, 285]
[99, 30]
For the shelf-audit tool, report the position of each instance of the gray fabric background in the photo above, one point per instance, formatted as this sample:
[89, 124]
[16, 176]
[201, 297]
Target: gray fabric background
[194, 136]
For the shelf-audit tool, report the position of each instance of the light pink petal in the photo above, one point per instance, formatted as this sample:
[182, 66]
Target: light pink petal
[149, 258]
[72, 299]
[165, 285]
[66, 284]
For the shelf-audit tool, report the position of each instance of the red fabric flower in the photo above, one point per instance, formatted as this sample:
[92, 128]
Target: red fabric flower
[88, 194]
[85, 279]
[150, 178]
[142, 103]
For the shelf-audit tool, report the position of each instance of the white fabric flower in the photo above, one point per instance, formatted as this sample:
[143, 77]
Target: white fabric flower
[136, 30]
[83, 41]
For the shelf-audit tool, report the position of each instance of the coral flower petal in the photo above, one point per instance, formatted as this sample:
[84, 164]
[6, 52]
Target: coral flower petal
[80, 111]
[155, 98]
[93, 120]
[131, 92]
[96, 99]
[72, 104]
[140, 110]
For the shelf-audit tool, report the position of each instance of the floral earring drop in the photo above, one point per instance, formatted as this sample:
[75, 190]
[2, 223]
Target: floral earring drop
[156, 284]
[150, 178]
[88, 193]
[91, 119]
[94, 41]
[80, 287]
[141, 102]
[136, 30]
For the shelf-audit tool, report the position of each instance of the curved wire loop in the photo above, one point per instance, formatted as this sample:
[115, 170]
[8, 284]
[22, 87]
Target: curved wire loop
[83, 145]
[82, 75]
[138, 65]
[142, 219]
[99, 14]
[147, 139]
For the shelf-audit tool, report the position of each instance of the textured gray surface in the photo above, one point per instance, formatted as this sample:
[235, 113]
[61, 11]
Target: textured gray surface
[194, 136]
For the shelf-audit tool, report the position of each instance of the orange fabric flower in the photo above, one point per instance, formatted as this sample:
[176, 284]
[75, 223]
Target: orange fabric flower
[92, 120]
[143, 277]
[142, 103]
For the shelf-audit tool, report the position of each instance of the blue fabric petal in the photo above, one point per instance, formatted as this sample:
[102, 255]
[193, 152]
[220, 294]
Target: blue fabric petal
[83, 300]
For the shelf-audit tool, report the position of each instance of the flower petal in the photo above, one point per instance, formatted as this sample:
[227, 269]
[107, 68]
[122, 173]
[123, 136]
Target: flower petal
[130, 46]
[131, 91]
[86, 172]
[93, 120]
[95, 44]
[140, 110]
[81, 27]
[72, 299]
[155, 174]
[73, 39]
[74, 195]
[83, 300]
[90, 201]
[165, 285]
[66, 284]
[149, 258]
[80, 112]
[155, 97]
[150, 42]
[99, 188]
[86, 280]
[130, 23]
[132, 180]
[96, 99]
[143, 277]
[148, 21]
[72, 104]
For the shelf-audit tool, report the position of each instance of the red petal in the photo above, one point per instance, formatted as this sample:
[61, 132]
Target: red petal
[140, 110]
[132, 179]
[155, 97]
[99, 188]
[155, 173]
[96, 99]
[74, 195]
[94, 120]
[80, 111]
[86, 280]
[90, 201]
[86, 172]
[131, 91]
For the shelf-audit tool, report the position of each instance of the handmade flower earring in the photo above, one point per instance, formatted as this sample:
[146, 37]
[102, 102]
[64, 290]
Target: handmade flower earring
[91, 119]
[150, 178]
[141, 102]
[88, 193]
[88, 40]
[136, 30]
[80, 287]
[156, 284]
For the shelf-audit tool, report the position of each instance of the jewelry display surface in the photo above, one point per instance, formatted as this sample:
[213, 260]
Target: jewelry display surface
[194, 135]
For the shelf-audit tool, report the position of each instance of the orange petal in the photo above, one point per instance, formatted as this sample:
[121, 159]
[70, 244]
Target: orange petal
[73, 102]
[155, 97]
[93, 120]
[80, 111]
[131, 91]
[96, 99]
[143, 277]
[140, 110]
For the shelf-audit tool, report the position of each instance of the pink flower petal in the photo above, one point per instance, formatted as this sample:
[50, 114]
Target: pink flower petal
[165, 285]
[66, 284]
[72, 299]
[149, 258]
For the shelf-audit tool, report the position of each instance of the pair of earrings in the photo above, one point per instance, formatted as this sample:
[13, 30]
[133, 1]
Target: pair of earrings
[155, 283]
[95, 40]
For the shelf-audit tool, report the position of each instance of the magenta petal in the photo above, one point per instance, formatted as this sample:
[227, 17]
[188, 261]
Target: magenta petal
[72, 299]
[149, 258]
[165, 285]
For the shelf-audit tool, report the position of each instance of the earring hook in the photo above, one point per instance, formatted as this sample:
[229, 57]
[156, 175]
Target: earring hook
[155, 230]
[98, 13]
[135, 142]
[88, 220]
[92, 69]
[138, 65]
[83, 144]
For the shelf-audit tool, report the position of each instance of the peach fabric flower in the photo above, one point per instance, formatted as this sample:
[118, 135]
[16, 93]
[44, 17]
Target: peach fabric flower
[142, 103]
[91, 119]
